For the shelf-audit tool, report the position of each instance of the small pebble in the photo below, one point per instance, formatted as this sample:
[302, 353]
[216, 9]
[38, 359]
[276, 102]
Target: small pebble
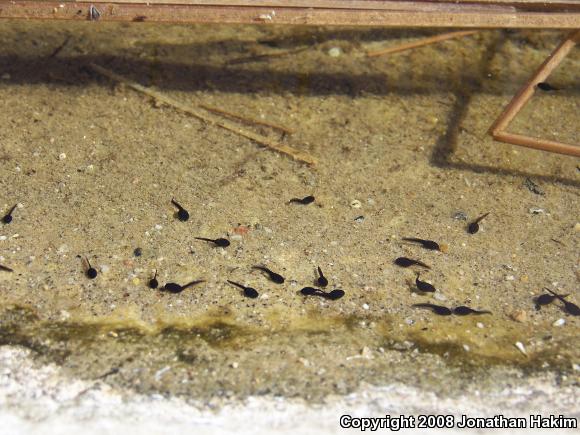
[365, 306]
[519, 316]
[355, 203]
[537, 210]
[479, 325]
[510, 278]
[366, 353]
[559, 322]
[460, 216]
[334, 52]
[359, 219]
[158, 227]
[62, 156]
[235, 365]
[104, 268]
[466, 348]
[520, 346]
[2, 237]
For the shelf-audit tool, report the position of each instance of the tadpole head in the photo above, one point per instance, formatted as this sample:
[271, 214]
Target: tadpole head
[223, 243]
[473, 228]
[335, 294]
[462, 311]
[442, 311]
[404, 262]
[91, 273]
[545, 299]
[251, 293]
[182, 215]
[278, 279]
[308, 291]
[173, 287]
[572, 309]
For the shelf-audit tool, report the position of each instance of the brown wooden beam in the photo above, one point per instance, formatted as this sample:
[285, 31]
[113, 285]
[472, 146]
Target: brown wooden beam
[393, 13]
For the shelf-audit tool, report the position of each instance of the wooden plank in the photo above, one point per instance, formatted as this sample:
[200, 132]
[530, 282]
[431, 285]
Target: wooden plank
[360, 4]
[393, 13]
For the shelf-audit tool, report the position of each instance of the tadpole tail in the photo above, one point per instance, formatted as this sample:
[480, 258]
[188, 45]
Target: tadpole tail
[243, 287]
[413, 239]
[560, 297]
[192, 283]
[482, 217]
[429, 306]
[11, 210]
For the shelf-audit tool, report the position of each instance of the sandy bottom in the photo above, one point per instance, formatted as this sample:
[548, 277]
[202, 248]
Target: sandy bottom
[402, 151]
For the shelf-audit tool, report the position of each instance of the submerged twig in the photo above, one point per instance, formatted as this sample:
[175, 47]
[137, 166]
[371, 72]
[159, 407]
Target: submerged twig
[245, 119]
[261, 139]
[421, 43]
[257, 57]
[58, 49]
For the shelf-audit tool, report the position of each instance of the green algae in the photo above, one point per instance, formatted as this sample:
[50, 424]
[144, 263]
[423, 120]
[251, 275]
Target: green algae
[213, 344]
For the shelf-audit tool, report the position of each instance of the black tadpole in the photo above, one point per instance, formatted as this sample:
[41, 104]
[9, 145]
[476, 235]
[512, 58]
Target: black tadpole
[274, 277]
[569, 307]
[546, 299]
[173, 287]
[407, 262]
[424, 286]
[182, 213]
[8, 216]
[322, 281]
[332, 295]
[5, 269]
[223, 243]
[427, 244]
[91, 271]
[544, 86]
[249, 292]
[474, 226]
[304, 201]
[153, 283]
[464, 311]
[437, 309]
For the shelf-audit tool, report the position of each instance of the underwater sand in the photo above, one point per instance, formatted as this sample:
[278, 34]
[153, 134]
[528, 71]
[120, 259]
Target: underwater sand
[400, 140]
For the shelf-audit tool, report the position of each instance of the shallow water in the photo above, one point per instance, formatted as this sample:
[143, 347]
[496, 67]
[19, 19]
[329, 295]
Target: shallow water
[400, 140]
